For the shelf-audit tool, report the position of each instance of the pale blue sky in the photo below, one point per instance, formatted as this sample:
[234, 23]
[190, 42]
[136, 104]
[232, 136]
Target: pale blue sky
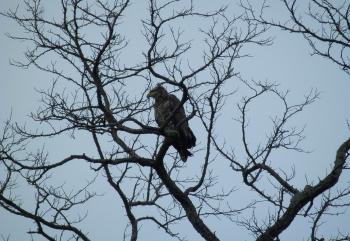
[287, 62]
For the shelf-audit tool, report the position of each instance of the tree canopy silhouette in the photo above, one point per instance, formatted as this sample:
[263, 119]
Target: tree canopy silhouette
[99, 94]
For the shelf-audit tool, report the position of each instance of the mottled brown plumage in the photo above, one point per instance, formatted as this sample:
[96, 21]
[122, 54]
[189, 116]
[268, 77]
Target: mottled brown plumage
[182, 137]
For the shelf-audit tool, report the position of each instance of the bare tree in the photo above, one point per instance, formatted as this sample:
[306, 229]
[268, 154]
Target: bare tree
[95, 96]
[324, 24]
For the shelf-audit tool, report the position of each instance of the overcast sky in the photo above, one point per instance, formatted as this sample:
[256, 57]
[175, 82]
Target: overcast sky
[287, 62]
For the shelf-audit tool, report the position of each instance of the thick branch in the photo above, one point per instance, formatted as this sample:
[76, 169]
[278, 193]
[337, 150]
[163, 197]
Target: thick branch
[300, 199]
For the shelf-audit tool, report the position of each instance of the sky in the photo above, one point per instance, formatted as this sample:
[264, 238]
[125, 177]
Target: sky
[288, 62]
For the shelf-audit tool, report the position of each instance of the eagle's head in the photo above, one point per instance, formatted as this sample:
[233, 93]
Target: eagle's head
[157, 92]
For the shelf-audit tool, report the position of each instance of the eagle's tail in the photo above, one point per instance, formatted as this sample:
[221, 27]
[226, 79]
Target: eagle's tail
[191, 140]
[188, 137]
[184, 154]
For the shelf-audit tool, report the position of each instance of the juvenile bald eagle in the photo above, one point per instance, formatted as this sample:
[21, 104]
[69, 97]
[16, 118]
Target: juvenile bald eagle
[182, 137]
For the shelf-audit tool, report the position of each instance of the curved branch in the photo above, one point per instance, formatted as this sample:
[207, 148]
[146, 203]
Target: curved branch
[309, 193]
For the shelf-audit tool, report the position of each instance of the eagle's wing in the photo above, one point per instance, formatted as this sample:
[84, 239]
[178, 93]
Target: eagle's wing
[188, 139]
[180, 116]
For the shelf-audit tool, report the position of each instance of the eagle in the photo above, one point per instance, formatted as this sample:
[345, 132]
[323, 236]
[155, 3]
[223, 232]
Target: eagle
[176, 129]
